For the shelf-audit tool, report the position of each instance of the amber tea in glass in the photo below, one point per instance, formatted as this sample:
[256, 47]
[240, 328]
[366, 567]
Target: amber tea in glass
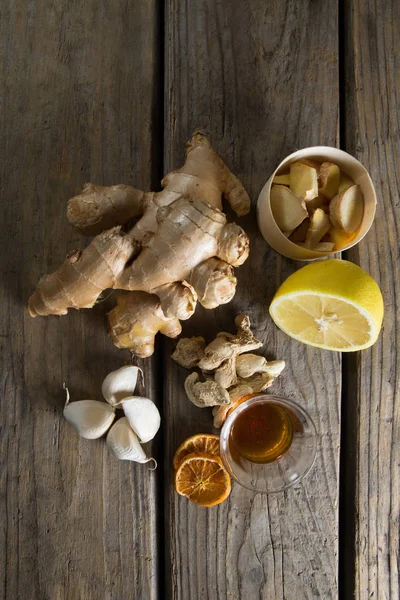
[262, 433]
[268, 443]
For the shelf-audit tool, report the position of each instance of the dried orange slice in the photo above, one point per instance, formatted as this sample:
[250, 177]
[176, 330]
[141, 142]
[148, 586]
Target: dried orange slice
[202, 479]
[201, 442]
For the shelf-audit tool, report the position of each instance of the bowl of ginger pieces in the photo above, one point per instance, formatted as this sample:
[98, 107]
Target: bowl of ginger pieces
[318, 201]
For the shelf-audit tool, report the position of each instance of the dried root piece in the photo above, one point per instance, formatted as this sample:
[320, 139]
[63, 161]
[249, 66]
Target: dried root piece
[136, 320]
[235, 394]
[259, 382]
[205, 393]
[255, 384]
[230, 374]
[225, 374]
[248, 364]
[189, 351]
[226, 345]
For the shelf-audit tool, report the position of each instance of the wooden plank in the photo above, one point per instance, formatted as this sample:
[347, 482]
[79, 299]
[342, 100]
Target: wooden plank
[79, 90]
[262, 79]
[372, 54]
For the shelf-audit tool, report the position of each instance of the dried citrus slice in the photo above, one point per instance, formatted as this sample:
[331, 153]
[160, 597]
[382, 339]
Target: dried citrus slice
[201, 442]
[202, 479]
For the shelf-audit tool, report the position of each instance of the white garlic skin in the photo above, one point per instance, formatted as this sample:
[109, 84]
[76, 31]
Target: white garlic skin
[124, 444]
[143, 416]
[120, 383]
[90, 418]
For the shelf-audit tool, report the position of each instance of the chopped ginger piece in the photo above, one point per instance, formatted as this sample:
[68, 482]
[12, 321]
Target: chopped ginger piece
[329, 179]
[320, 224]
[303, 180]
[282, 179]
[311, 163]
[345, 183]
[288, 210]
[320, 247]
[318, 202]
[346, 209]
[341, 239]
[299, 234]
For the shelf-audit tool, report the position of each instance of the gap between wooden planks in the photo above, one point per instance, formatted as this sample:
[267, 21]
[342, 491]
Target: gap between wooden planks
[370, 124]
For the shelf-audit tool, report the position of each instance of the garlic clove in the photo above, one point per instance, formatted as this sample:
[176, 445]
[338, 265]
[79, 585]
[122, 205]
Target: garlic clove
[124, 444]
[143, 417]
[90, 418]
[120, 383]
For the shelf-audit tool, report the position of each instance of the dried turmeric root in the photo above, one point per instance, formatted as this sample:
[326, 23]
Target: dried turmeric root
[180, 249]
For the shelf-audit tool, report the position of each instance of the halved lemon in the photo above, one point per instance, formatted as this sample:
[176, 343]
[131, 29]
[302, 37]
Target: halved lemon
[331, 304]
[203, 479]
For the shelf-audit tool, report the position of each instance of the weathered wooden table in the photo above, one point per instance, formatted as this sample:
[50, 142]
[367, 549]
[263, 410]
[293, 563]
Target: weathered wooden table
[109, 92]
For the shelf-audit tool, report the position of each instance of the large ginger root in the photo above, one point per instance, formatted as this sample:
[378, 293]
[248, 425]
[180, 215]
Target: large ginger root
[180, 248]
[84, 275]
[204, 176]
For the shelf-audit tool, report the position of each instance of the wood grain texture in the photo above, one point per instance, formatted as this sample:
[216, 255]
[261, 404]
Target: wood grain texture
[79, 96]
[372, 134]
[262, 79]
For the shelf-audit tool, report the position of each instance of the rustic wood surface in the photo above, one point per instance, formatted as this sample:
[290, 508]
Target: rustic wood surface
[372, 90]
[82, 94]
[247, 73]
[79, 85]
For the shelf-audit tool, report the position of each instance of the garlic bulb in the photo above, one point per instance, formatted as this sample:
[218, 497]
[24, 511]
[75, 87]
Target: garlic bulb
[143, 417]
[91, 419]
[124, 443]
[120, 383]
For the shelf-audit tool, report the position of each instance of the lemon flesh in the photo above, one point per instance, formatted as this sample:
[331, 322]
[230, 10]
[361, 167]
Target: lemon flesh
[332, 304]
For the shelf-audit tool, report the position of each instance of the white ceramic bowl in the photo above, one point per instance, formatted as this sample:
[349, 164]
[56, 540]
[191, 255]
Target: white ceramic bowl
[350, 166]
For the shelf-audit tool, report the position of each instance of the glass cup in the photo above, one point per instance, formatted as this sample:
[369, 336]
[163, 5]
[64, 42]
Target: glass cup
[268, 443]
